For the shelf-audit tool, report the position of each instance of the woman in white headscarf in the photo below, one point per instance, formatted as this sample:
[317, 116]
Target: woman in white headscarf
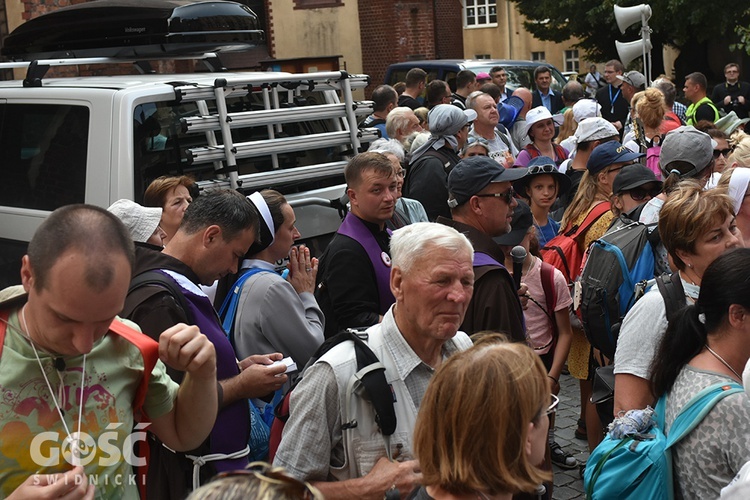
[736, 182]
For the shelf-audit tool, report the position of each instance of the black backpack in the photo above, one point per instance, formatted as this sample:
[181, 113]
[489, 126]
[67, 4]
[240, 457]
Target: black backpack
[616, 262]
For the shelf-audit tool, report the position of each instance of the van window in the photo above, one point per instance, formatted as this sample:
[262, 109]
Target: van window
[160, 143]
[44, 154]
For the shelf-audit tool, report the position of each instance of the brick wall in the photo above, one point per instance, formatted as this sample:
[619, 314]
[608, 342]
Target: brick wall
[403, 30]
[450, 40]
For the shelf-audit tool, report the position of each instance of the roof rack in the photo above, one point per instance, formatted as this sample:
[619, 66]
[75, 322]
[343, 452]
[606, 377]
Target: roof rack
[343, 113]
[35, 70]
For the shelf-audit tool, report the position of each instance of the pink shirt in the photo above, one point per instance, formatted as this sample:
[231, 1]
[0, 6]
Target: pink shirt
[538, 325]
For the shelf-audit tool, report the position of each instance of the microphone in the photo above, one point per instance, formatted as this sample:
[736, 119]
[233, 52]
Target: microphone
[60, 364]
[519, 255]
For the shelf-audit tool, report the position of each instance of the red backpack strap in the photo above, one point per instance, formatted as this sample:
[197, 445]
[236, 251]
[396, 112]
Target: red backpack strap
[4, 315]
[150, 352]
[560, 152]
[599, 209]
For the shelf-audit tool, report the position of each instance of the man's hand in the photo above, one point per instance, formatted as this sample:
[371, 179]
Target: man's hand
[405, 476]
[302, 269]
[256, 378]
[384, 476]
[70, 485]
[727, 100]
[186, 349]
[523, 295]
[741, 99]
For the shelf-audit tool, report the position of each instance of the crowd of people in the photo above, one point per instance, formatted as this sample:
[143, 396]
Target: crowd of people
[430, 335]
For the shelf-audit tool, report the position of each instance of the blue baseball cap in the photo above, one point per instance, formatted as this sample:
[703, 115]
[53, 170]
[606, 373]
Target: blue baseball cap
[509, 110]
[608, 153]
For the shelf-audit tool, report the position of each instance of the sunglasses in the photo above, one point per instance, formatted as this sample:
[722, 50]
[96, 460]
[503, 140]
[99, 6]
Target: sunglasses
[507, 196]
[552, 408]
[722, 152]
[640, 194]
[542, 169]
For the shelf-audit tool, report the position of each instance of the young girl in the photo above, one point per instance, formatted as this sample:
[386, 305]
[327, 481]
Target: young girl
[541, 186]
[547, 316]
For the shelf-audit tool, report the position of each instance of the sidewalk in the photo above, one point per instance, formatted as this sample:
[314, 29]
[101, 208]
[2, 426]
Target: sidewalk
[568, 483]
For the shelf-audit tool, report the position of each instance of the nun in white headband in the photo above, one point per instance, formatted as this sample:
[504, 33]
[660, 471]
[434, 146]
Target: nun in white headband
[736, 181]
[264, 312]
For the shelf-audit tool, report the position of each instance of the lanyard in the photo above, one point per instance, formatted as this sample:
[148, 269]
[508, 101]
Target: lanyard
[613, 99]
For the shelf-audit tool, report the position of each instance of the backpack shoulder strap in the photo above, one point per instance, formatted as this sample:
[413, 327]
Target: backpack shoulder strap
[228, 310]
[150, 352]
[600, 209]
[550, 293]
[155, 278]
[670, 287]
[697, 408]
[371, 373]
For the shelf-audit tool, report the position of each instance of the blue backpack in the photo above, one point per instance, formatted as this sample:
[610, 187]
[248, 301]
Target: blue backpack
[640, 466]
[616, 262]
[260, 419]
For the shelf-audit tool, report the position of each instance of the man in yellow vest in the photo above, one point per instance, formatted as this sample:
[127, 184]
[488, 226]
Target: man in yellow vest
[702, 108]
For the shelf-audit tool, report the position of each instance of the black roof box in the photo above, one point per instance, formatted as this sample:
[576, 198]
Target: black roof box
[135, 28]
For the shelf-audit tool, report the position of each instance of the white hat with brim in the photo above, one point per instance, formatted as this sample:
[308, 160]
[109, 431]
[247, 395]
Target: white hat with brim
[140, 221]
[539, 114]
[729, 123]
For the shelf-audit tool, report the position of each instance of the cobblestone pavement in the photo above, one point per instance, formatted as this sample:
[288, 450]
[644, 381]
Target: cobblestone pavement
[568, 483]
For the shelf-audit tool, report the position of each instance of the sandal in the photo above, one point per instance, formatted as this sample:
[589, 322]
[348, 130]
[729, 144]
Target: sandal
[580, 433]
[562, 458]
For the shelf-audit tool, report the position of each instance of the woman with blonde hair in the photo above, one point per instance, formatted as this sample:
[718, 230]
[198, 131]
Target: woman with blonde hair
[594, 193]
[259, 481]
[482, 426]
[740, 155]
[568, 127]
[697, 226]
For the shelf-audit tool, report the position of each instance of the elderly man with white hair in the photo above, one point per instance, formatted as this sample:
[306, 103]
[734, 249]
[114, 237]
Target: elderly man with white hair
[427, 178]
[432, 279]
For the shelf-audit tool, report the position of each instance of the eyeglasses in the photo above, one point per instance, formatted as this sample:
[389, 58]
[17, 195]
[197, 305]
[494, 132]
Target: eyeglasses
[722, 152]
[507, 196]
[401, 173]
[542, 169]
[552, 408]
[640, 194]
[277, 477]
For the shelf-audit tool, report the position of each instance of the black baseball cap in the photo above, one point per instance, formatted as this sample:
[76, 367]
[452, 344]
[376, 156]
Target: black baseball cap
[473, 174]
[522, 221]
[633, 176]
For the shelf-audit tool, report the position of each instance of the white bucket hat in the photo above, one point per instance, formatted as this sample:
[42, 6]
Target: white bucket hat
[539, 114]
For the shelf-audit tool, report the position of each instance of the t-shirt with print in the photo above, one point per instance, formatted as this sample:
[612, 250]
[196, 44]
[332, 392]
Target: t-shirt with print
[708, 458]
[538, 325]
[30, 425]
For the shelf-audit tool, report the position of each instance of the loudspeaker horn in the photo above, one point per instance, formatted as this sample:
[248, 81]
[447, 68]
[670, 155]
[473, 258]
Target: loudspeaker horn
[628, 16]
[629, 51]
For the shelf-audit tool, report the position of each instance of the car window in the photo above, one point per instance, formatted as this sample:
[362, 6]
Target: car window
[44, 154]
[161, 143]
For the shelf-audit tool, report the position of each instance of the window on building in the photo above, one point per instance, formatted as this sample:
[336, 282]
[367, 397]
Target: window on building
[480, 12]
[481, 56]
[571, 60]
[538, 56]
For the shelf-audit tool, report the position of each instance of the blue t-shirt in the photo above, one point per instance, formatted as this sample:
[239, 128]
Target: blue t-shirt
[547, 232]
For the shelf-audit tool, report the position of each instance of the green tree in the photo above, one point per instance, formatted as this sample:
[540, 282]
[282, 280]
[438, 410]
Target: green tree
[684, 24]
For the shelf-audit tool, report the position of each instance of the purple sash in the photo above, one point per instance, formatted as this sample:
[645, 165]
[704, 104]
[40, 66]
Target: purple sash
[232, 428]
[482, 259]
[354, 228]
